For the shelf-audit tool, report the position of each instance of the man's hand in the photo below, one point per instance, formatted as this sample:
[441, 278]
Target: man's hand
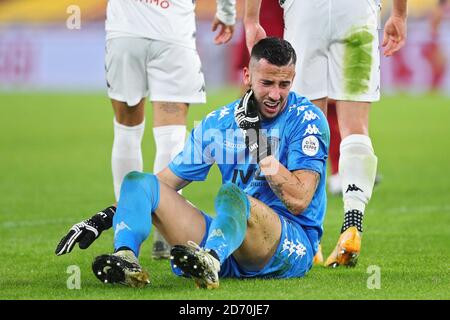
[247, 118]
[394, 35]
[246, 114]
[86, 231]
[253, 29]
[253, 33]
[225, 31]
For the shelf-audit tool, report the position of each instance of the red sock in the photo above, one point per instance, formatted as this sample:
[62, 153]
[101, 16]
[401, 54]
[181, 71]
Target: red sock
[335, 137]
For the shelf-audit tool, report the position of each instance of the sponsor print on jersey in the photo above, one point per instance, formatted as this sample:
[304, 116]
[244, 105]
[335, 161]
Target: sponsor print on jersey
[310, 146]
[164, 4]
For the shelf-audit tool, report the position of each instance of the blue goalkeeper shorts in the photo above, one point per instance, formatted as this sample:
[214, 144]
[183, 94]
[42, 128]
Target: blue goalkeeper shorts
[292, 259]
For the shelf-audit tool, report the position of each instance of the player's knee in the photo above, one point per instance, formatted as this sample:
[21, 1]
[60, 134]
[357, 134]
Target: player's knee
[230, 191]
[132, 184]
[141, 185]
[129, 116]
[234, 199]
[133, 177]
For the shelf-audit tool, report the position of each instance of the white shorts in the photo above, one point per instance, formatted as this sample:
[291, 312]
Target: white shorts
[336, 42]
[140, 67]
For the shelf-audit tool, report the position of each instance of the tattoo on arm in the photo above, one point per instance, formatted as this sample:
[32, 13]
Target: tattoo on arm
[279, 188]
[316, 177]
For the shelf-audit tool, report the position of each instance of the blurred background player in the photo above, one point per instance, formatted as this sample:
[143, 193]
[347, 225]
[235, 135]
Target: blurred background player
[151, 52]
[432, 50]
[334, 181]
[339, 59]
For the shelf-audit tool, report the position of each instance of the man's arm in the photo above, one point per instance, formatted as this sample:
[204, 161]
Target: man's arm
[253, 29]
[394, 36]
[172, 180]
[295, 189]
[436, 18]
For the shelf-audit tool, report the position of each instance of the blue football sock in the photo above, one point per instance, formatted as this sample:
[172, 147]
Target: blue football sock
[227, 231]
[139, 198]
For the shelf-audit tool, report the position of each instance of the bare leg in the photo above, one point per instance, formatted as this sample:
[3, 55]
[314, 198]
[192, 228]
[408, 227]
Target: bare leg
[353, 117]
[129, 115]
[177, 219]
[322, 104]
[244, 227]
[169, 113]
[169, 130]
[262, 237]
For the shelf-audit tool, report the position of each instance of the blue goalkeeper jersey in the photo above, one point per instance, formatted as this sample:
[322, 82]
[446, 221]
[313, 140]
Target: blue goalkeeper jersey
[301, 136]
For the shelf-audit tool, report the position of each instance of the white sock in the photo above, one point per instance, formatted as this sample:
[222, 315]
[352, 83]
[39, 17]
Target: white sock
[169, 142]
[357, 168]
[126, 152]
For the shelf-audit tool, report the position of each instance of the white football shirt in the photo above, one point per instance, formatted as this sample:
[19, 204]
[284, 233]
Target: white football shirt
[166, 20]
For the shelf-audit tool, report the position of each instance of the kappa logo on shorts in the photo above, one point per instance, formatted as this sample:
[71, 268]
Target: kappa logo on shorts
[216, 233]
[299, 248]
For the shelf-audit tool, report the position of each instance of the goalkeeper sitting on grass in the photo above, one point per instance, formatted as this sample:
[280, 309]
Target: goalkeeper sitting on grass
[271, 148]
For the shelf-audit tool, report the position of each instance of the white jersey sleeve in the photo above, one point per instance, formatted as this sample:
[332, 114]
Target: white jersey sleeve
[226, 11]
[166, 20]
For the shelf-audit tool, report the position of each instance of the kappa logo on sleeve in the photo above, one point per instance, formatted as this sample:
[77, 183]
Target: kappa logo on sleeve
[309, 116]
[312, 129]
[224, 112]
[299, 109]
[310, 145]
[211, 114]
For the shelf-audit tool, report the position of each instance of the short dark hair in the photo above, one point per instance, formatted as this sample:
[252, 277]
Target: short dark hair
[277, 51]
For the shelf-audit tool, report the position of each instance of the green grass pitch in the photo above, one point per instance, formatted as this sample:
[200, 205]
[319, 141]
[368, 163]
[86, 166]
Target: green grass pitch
[55, 171]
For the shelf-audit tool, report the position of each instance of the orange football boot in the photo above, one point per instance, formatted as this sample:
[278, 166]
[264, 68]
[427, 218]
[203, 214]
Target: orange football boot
[347, 250]
[318, 258]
